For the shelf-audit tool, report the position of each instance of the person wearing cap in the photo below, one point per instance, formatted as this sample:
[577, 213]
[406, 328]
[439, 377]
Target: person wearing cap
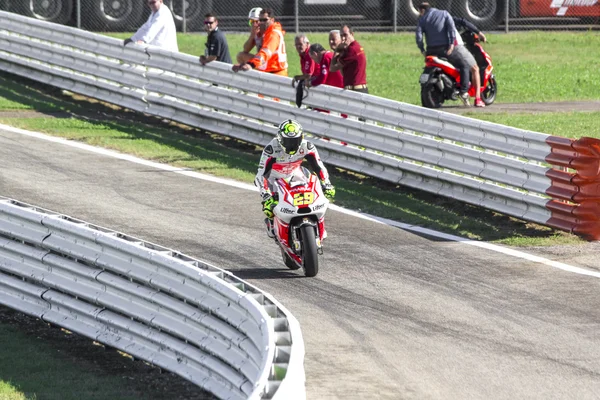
[352, 61]
[272, 56]
[255, 38]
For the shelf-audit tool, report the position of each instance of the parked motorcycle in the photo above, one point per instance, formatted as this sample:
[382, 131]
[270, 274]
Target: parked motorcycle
[440, 80]
[299, 220]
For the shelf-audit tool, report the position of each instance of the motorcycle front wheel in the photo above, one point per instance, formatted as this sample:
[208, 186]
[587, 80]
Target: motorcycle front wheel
[489, 93]
[310, 262]
[431, 96]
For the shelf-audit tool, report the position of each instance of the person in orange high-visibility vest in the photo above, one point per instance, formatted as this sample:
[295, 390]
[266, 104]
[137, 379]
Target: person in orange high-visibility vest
[272, 56]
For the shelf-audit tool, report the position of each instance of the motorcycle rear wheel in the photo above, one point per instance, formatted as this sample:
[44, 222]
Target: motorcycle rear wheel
[291, 264]
[489, 93]
[431, 96]
[310, 262]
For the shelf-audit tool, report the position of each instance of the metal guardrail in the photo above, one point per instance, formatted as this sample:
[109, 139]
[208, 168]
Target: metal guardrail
[154, 303]
[493, 166]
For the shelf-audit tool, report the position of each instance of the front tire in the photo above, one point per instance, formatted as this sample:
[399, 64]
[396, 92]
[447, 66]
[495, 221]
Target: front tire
[310, 260]
[491, 90]
[431, 96]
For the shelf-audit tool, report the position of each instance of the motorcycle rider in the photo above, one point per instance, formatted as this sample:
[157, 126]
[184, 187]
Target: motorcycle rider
[280, 158]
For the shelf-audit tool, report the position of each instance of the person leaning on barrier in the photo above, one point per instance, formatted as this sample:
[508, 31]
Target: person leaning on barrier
[255, 38]
[272, 57]
[216, 42]
[307, 65]
[322, 59]
[352, 61]
[159, 30]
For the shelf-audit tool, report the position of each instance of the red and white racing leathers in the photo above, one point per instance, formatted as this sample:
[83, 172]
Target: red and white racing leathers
[276, 163]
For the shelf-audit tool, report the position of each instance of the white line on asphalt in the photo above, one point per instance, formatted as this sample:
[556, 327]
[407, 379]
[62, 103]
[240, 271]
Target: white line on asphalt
[385, 221]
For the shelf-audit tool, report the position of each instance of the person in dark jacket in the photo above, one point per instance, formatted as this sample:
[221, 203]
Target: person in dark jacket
[216, 44]
[440, 34]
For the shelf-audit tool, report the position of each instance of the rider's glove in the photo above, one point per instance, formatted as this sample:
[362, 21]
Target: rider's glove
[328, 190]
[268, 206]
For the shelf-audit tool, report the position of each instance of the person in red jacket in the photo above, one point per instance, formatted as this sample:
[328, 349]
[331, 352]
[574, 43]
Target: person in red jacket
[351, 61]
[323, 59]
[272, 56]
[307, 65]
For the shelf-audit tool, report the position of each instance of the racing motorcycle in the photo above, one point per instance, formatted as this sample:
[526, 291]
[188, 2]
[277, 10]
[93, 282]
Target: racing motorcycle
[299, 220]
[440, 80]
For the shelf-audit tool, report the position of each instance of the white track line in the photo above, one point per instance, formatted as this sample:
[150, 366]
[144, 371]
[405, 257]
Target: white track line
[412, 228]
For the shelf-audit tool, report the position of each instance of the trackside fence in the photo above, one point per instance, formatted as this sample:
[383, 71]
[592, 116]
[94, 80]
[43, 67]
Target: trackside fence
[529, 175]
[154, 303]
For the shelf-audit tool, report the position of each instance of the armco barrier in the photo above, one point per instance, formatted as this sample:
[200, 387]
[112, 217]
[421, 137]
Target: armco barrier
[154, 303]
[509, 170]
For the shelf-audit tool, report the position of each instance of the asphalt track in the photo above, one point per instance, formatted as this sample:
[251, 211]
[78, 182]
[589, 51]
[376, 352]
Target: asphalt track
[391, 315]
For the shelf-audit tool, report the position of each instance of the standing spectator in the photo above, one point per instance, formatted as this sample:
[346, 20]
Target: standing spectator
[334, 39]
[352, 61]
[440, 33]
[307, 65]
[216, 43]
[272, 56]
[255, 38]
[323, 59]
[159, 30]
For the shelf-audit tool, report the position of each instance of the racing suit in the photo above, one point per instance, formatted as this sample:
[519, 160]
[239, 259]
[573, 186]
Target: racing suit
[276, 163]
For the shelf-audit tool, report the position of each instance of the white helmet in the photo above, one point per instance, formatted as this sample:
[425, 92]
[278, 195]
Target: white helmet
[254, 13]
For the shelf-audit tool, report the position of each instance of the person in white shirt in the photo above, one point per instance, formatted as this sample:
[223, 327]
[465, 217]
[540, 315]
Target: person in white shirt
[159, 30]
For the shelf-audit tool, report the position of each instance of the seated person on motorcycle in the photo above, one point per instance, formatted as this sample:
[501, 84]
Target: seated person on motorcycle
[466, 29]
[280, 158]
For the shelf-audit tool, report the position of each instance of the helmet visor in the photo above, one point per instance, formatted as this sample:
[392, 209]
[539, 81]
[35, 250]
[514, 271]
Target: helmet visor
[290, 145]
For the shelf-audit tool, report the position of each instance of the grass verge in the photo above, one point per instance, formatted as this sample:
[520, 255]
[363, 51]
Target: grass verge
[42, 363]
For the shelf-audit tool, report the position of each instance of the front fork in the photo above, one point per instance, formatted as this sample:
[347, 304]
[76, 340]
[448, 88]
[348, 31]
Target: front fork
[295, 242]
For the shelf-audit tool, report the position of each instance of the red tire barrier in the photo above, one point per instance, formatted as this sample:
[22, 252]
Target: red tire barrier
[575, 190]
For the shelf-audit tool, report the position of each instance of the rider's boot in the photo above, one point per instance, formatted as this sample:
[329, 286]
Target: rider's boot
[270, 228]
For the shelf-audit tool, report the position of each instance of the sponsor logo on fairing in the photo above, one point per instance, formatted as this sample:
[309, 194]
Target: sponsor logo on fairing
[318, 207]
[287, 211]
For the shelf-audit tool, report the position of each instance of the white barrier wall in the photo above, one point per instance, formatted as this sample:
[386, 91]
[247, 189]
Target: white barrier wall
[481, 163]
[154, 303]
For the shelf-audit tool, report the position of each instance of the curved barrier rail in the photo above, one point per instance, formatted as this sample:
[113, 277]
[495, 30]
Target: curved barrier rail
[154, 303]
[513, 171]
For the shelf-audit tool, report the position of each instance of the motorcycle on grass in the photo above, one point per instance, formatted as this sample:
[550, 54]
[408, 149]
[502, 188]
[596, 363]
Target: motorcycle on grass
[299, 220]
[440, 80]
